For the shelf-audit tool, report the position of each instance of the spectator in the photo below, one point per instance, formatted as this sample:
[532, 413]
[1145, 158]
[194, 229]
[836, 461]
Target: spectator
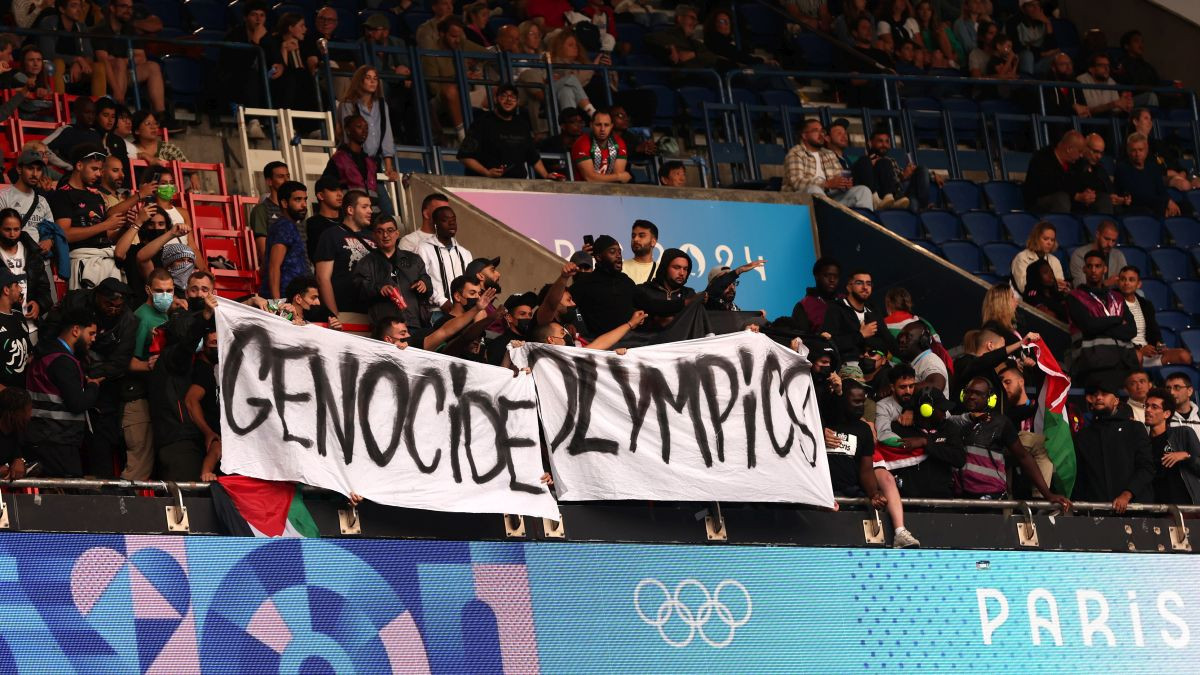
[937, 37]
[1034, 34]
[1051, 184]
[1106, 102]
[1092, 175]
[148, 139]
[1175, 452]
[440, 70]
[112, 180]
[351, 165]
[203, 407]
[33, 82]
[643, 239]
[393, 281]
[73, 57]
[666, 298]
[641, 149]
[926, 451]
[330, 196]
[444, 258]
[89, 227]
[412, 241]
[555, 302]
[268, 209]
[1003, 65]
[138, 434]
[22, 195]
[63, 394]
[1106, 245]
[554, 333]
[1113, 457]
[570, 129]
[1137, 386]
[1064, 101]
[287, 258]
[63, 139]
[1133, 68]
[301, 303]
[1187, 413]
[180, 261]
[672, 174]
[243, 67]
[811, 168]
[723, 300]
[881, 174]
[152, 251]
[720, 40]
[827, 276]
[677, 46]
[427, 33]
[916, 348]
[895, 19]
[292, 84]
[984, 356]
[325, 25]
[364, 99]
[518, 323]
[600, 157]
[968, 25]
[467, 299]
[1042, 290]
[392, 57]
[1102, 326]
[16, 412]
[475, 18]
[898, 303]
[165, 192]
[339, 250]
[850, 445]
[1142, 181]
[1163, 153]
[123, 130]
[106, 128]
[15, 344]
[500, 144]
[1041, 245]
[123, 20]
[986, 438]
[1000, 312]
[855, 328]
[605, 296]
[1021, 411]
[22, 256]
[1147, 339]
[508, 39]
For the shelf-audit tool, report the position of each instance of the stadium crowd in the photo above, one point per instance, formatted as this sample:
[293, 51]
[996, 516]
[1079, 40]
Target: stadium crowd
[117, 375]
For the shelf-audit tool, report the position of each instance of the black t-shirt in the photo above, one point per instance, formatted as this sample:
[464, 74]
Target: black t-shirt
[495, 142]
[856, 442]
[85, 208]
[15, 350]
[1169, 487]
[345, 248]
[498, 347]
[204, 376]
[314, 227]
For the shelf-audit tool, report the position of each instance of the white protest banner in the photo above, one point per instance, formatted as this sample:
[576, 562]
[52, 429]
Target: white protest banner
[731, 418]
[406, 428]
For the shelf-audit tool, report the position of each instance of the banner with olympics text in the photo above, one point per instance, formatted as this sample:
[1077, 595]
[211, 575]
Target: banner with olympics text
[730, 418]
[406, 428]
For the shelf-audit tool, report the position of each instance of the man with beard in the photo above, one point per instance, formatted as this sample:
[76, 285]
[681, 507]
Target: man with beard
[605, 297]
[600, 157]
[1114, 460]
[897, 408]
[856, 328]
[811, 168]
[14, 339]
[827, 275]
[916, 344]
[1102, 325]
[444, 258]
[89, 227]
[986, 437]
[341, 248]
[666, 295]
[287, 258]
[109, 359]
[642, 241]
[393, 282]
[500, 144]
[62, 396]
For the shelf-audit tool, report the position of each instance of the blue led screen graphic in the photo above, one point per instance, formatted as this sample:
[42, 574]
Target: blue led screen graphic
[158, 604]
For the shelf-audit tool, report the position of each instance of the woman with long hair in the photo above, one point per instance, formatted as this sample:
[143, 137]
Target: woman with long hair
[981, 55]
[564, 49]
[364, 97]
[935, 35]
[852, 11]
[1000, 312]
[292, 84]
[1041, 245]
[895, 17]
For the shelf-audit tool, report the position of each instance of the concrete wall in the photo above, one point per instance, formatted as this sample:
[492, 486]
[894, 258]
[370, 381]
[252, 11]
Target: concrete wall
[1171, 40]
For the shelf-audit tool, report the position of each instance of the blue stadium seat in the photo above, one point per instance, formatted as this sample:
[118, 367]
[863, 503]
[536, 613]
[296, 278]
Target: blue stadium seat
[666, 106]
[1170, 337]
[929, 246]
[1145, 231]
[1004, 195]
[348, 28]
[1000, 254]
[634, 34]
[1019, 224]
[1159, 295]
[983, 226]
[1064, 259]
[962, 195]
[1191, 373]
[817, 51]
[1187, 292]
[964, 118]
[1185, 231]
[1194, 197]
[1067, 229]
[941, 225]
[185, 79]
[694, 99]
[868, 214]
[1191, 340]
[745, 96]
[1171, 318]
[170, 11]
[1137, 256]
[760, 25]
[779, 97]
[901, 222]
[1172, 263]
[206, 14]
[965, 254]
[988, 278]
[1092, 222]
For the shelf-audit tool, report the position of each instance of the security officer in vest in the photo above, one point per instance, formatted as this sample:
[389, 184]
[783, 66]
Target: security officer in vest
[62, 394]
[986, 438]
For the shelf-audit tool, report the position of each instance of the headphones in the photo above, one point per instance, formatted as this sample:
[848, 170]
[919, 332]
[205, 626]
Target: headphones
[991, 399]
[925, 341]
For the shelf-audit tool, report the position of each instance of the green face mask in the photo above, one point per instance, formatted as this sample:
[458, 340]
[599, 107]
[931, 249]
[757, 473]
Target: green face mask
[165, 192]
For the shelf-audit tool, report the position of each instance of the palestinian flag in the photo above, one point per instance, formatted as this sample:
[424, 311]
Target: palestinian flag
[1051, 420]
[251, 507]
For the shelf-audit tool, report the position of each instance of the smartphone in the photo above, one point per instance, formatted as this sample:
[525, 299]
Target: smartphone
[588, 240]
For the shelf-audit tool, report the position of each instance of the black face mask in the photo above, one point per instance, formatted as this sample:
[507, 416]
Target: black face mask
[523, 326]
[8, 243]
[569, 340]
[856, 411]
[567, 317]
[195, 304]
[470, 304]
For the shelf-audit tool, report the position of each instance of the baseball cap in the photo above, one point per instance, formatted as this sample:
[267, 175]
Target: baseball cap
[716, 272]
[329, 183]
[582, 260]
[30, 156]
[480, 264]
[113, 286]
[376, 21]
[8, 277]
[528, 298]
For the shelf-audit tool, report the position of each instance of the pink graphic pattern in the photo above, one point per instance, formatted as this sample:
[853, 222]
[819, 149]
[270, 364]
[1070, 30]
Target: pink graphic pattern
[505, 588]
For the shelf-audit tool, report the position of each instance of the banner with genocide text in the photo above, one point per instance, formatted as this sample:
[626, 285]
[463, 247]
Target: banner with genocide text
[731, 418]
[405, 428]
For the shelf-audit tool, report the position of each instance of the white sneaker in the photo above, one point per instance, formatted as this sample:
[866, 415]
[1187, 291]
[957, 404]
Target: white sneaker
[904, 539]
[254, 130]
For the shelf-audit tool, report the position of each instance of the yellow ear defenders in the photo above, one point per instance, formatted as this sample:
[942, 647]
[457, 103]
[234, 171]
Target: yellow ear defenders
[991, 400]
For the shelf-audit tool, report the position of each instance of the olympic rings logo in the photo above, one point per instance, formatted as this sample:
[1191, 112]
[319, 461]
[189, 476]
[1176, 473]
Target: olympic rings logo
[695, 619]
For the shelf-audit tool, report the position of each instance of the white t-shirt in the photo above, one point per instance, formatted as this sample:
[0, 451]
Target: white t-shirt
[929, 363]
[12, 198]
[638, 271]
[16, 263]
[1139, 322]
[820, 167]
[412, 241]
